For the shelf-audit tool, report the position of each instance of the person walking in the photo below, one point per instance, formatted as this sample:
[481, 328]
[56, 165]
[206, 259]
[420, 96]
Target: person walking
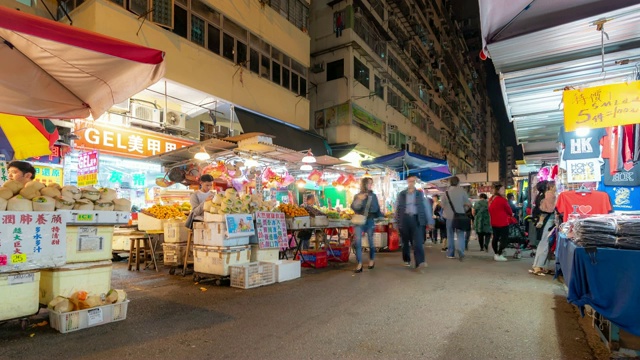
[439, 225]
[500, 213]
[545, 205]
[366, 203]
[456, 201]
[413, 216]
[482, 223]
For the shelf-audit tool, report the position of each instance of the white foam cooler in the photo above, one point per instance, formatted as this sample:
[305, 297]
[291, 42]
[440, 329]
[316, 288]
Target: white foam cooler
[174, 253]
[175, 232]
[93, 277]
[89, 243]
[269, 255]
[18, 294]
[215, 234]
[216, 260]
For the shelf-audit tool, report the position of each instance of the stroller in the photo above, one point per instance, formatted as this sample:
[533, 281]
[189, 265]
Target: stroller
[518, 238]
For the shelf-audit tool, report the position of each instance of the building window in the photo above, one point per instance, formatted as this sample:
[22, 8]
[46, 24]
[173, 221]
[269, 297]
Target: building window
[378, 87]
[265, 68]
[180, 21]
[335, 70]
[294, 83]
[275, 72]
[254, 61]
[197, 30]
[213, 40]
[228, 46]
[303, 87]
[360, 72]
[286, 75]
[241, 53]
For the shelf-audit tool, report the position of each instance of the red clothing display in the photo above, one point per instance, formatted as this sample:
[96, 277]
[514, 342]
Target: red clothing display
[588, 203]
[499, 211]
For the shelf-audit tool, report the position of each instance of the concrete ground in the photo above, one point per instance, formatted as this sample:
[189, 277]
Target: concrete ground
[476, 309]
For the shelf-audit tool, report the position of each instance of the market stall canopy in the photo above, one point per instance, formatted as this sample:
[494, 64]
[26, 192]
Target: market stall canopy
[541, 47]
[287, 135]
[24, 137]
[54, 70]
[406, 163]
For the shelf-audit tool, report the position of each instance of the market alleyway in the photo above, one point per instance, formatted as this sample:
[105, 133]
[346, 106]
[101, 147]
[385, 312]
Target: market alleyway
[477, 309]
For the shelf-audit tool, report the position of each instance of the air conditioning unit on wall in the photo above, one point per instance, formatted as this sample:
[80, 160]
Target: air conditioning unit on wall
[145, 115]
[122, 107]
[175, 119]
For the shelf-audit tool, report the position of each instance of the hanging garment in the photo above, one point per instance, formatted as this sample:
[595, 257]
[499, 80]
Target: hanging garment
[619, 150]
[636, 142]
[586, 203]
[627, 153]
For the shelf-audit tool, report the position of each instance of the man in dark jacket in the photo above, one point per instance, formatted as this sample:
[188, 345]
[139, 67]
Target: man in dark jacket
[413, 217]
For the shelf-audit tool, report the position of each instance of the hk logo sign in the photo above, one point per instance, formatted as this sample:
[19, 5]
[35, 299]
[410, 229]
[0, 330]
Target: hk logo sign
[581, 146]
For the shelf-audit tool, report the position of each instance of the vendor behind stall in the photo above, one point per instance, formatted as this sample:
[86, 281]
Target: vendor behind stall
[21, 171]
[198, 199]
[305, 235]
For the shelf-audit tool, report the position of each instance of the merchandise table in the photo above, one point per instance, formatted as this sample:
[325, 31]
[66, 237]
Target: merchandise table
[606, 279]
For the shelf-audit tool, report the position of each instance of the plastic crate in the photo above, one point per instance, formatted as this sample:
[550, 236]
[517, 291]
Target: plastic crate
[314, 258]
[82, 319]
[252, 275]
[338, 253]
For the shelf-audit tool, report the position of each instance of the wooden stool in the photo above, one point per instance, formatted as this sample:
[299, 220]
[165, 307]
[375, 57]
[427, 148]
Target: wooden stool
[186, 253]
[137, 245]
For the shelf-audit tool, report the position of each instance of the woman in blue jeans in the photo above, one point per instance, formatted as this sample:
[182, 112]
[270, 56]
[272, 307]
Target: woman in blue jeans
[366, 203]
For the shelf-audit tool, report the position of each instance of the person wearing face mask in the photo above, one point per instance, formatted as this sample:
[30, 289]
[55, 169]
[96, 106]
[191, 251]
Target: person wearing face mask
[198, 198]
[500, 213]
[21, 171]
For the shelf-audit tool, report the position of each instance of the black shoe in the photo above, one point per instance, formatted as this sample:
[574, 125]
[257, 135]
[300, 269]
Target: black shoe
[358, 270]
[372, 266]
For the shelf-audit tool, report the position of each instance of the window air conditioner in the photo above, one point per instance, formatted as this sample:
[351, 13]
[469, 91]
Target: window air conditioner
[145, 115]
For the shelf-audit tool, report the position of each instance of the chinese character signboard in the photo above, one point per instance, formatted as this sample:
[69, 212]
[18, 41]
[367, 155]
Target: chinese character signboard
[271, 230]
[4, 175]
[601, 106]
[125, 142]
[32, 240]
[88, 168]
[48, 174]
[55, 157]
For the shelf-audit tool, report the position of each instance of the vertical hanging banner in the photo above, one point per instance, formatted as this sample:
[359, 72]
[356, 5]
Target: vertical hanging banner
[32, 240]
[88, 168]
[4, 174]
[601, 106]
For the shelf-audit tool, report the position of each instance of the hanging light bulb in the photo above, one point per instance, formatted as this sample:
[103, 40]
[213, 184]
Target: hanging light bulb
[301, 183]
[202, 155]
[309, 158]
[306, 167]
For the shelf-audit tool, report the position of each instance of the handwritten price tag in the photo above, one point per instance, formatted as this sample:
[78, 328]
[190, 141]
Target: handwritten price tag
[18, 258]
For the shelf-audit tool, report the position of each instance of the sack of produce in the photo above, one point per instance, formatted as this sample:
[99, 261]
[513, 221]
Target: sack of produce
[64, 203]
[108, 194]
[14, 186]
[90, 193]
[6, 193]
[72, 192]
[51, 192]
[83, 204]
[19, 203]
[44, 203]
[104, 205]
[122, 205]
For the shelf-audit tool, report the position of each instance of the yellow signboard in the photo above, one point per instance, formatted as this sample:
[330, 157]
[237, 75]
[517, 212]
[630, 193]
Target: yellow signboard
[602, 106]
[48, 174]
[87, 179]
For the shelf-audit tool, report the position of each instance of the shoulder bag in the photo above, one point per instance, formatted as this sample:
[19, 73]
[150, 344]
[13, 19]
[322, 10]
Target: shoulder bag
[358, 219]
[461, 221]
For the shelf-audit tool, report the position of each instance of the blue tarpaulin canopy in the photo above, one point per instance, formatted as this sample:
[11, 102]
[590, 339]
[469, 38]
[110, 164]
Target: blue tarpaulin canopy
[406, 163]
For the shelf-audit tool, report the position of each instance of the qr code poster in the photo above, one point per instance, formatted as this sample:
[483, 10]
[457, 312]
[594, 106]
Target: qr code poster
[579, 171]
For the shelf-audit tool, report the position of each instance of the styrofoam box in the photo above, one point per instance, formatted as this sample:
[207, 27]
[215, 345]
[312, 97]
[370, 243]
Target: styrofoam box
[18, 294]
[215, 234]
[89, 243]
[379, 240]
[149, 223]
[216, 260]
[120, 242]
[258, 254]
[319, 221]
[209, 217]
[174, 253]
[82, 319]
[175, 232]
[93, 277]
[287, 270]
[300, 222]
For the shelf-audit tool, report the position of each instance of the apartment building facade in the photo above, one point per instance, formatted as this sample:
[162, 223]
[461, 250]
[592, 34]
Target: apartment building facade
[396, 74]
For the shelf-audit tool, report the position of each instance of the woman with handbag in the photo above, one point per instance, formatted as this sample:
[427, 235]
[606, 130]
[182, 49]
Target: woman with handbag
[482, 223]
[501, 214]
[365, 205]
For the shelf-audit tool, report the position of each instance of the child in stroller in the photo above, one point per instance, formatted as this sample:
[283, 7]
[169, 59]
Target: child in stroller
[518, 238]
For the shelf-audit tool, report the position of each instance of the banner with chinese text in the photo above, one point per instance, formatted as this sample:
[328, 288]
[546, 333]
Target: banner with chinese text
[32, 240]
[125, 142]
[88, 168]
[55, 157]
[271, 230]
[601, 106]
[49, 175]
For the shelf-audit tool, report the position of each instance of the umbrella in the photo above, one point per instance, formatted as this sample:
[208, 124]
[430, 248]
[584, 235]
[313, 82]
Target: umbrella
[54, 70]
[406, 163]
[24, 137]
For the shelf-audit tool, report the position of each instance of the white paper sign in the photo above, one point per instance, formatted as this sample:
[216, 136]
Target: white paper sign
[94, 316]
[271, 230]
[32, 240]
[21, 278]
[88, 239]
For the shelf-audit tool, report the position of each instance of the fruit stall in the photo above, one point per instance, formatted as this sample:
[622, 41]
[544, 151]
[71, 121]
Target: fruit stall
[59, 253]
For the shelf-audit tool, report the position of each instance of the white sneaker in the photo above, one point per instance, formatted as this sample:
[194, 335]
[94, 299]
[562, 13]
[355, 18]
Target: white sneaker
[499, 258]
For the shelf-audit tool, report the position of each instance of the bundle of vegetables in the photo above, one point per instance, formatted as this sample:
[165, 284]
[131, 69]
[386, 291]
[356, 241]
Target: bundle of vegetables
[291, 211]
[333, 214]
[81, 300]
[164, 212]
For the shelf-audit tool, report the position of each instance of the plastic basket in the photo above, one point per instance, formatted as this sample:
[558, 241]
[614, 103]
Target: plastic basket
[252, 275]
[82, 319]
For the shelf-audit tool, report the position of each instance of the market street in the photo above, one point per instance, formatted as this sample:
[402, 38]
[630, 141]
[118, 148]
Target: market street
[478, 309]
